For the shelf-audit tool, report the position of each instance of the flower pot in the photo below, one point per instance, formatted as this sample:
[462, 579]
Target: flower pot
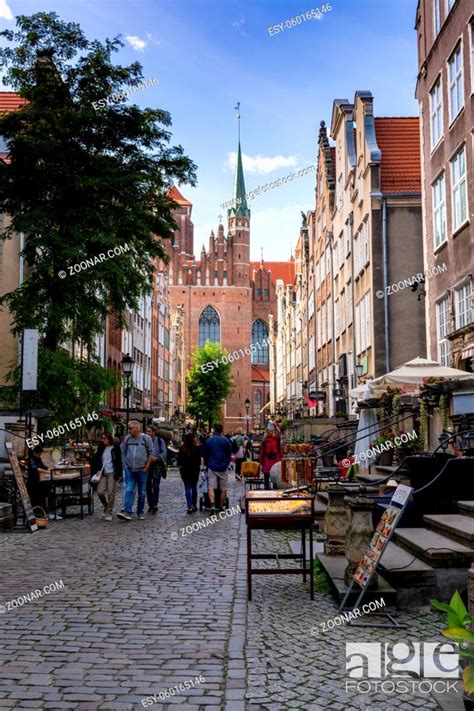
[328, 460]
[402, 453]
[386, 458]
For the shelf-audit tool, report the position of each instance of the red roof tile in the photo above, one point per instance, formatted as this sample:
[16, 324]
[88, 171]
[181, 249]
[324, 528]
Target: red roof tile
[10, 101]
[280, 270]
[175, 195]
[399, 140]
[259, 373]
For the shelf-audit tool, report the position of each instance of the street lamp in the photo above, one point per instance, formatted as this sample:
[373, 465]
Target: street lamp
[247, 407]
[359, 371]
[127, 364]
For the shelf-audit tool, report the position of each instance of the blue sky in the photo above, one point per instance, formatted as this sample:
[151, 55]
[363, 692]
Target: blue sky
[209, 54]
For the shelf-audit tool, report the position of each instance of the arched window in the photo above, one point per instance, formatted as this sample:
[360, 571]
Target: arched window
[260, 334]
[209, 326]
[257, 406]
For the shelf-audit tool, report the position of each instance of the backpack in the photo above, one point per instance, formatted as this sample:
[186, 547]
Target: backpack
[234, 447]
[141, 442]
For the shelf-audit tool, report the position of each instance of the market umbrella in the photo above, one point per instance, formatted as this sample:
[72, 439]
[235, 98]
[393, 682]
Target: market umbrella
[414, 373]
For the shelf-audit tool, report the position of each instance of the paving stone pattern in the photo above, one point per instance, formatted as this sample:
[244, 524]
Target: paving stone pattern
[140, 613]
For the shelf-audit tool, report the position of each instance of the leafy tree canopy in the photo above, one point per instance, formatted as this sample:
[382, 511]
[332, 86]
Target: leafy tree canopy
[208, 389]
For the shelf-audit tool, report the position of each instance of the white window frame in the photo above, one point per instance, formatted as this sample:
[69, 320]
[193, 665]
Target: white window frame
[436, 112]
[449, 5]
[459, 185]
[463, 318]
[349, 302]
[457, 80]
[342, 317]
[439, 209]
[471, 43]
[442, 330]
[436, 17]
[336, 318]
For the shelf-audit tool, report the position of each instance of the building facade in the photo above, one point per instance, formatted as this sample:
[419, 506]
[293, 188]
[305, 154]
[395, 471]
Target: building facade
[445, 92]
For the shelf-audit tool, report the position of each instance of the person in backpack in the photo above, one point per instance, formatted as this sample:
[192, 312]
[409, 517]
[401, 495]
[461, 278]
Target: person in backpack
[157, 470]
[270, 451]
[238, 450]
[137, 457]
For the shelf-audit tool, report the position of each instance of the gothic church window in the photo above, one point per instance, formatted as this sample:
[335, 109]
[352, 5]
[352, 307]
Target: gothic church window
[209, 326]
[260, 334]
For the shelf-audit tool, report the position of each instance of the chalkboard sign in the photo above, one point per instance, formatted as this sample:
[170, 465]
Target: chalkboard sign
[20, 482]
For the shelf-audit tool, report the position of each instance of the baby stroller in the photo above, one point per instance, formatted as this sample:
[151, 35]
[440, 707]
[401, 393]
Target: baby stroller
[203, 489]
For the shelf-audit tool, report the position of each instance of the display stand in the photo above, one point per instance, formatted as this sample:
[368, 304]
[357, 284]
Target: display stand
[369, 563]
[20, 482]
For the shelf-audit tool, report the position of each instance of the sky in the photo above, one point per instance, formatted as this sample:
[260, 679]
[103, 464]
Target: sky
[208, 55]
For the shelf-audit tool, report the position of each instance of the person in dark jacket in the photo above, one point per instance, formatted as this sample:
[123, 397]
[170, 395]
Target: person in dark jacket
[38, 491]
[217, 453]
[108, 459]
[189, 463]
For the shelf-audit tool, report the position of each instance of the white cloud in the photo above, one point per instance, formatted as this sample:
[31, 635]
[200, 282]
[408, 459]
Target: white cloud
[134, 41]
[5, 11]
[262, 164]
[238, 23]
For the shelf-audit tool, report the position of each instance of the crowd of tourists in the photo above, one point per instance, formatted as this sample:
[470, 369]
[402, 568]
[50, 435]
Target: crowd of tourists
[140, 461]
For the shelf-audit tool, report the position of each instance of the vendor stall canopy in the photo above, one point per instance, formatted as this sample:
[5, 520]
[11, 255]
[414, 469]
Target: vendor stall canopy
[414, 373]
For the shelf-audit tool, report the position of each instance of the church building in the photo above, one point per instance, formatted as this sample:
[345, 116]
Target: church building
[227, 298]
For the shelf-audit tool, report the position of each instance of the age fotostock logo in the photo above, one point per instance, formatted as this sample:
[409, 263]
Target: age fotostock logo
[402, 667]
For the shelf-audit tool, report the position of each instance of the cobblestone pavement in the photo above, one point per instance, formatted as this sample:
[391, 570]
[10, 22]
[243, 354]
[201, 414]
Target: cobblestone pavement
[141, 612]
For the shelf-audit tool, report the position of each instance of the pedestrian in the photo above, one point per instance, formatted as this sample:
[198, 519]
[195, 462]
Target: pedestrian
[238, 450]
[189, 463]
[39, 490]
[108, 461]
[270, 451]
[217, 458]
[157, 470]
[137, 457]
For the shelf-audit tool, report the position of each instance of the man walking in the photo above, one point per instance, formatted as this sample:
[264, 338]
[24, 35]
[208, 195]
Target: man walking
[157, 470]
[217, 453]
[137, 457]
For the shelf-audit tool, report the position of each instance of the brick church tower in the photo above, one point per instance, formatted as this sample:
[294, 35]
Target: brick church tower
[225, 297]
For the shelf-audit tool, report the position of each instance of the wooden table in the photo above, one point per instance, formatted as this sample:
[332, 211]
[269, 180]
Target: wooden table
[77, 473]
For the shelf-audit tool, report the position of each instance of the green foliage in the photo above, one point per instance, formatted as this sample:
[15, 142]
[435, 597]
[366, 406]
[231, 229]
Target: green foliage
[208, 390]
[458, 621]
[322, 581]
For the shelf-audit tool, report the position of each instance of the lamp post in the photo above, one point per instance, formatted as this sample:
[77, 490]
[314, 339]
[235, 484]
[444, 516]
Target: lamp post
[247, 407]
[359, 371]
[127, 364]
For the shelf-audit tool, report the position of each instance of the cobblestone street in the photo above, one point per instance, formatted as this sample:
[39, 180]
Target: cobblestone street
[141, 612]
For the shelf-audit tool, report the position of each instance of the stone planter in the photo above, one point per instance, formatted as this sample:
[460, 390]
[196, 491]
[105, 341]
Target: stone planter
[386, 458]
[336, 521]
[358, 534]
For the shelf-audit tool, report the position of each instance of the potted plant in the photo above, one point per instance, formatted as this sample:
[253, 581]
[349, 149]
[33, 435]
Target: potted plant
[386, 455]
[411, 446]
[459, 620]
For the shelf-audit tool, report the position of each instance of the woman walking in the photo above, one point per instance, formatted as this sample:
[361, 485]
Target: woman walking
[189, 463]
[270, 451]
[108, 460]
[238, 447]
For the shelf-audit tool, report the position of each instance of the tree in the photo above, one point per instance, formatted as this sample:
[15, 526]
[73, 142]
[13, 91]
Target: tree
[208, 388]
[80, 181]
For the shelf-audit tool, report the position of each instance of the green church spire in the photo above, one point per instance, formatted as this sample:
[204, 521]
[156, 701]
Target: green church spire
[239, 200]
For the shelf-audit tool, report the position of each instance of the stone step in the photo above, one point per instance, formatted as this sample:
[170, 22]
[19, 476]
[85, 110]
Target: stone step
[433, 548]
[456, 526]
[414, 580]
[466, 508]
[335, 565]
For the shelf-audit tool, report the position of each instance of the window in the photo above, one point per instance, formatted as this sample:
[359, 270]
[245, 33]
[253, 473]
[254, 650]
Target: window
[209, 326]
[442, 328]
[328, 262]
[329, 305]
[361, 248]
[456, 92]
[360, 186]
[320, 232]
[472, 57]
[324, 323]
[257, 405]
[340, 192]
[324, 218]
[462, 305]
[349, 302]
[436, 16]
[449, 4]
[259, 339]
[342, 319]
[363, 324]
[266, 293]
[318, 329]
[311, 353]
[336, 318]
[439, 211]
[436, 113]
[458, 189]
[348, 237]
